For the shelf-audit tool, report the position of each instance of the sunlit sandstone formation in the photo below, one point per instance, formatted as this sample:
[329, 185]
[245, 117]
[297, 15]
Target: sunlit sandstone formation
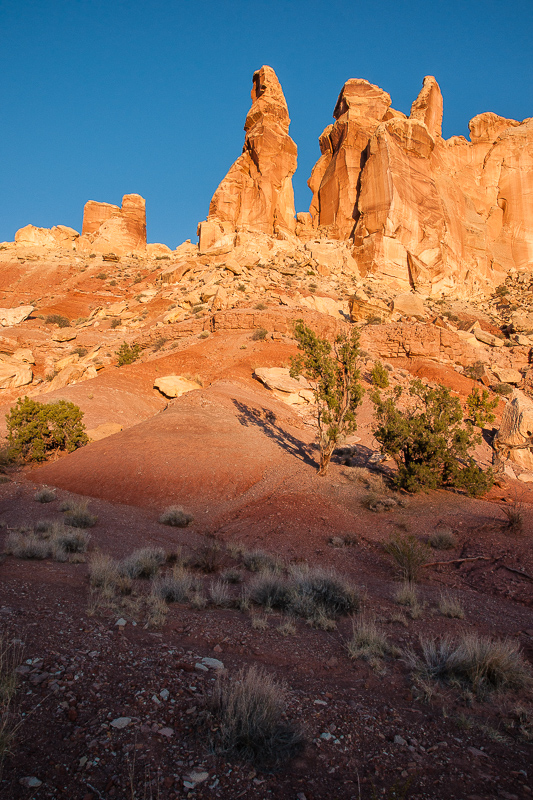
[109, 228]
[257, 192]
[424, 212]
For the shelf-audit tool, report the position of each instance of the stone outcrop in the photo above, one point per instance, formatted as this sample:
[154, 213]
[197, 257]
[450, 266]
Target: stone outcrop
[108, 228]
[257, 192]
[13, 316]
[49, 238]
[514, 439]
[425, 213]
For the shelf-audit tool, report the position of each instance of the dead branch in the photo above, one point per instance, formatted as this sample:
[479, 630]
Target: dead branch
[457, 561]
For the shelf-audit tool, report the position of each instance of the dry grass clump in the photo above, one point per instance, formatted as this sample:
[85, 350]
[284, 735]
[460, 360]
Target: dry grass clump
[442, 539]
[287, 628]
[371, 480]
[156, 611]
[104, 575]
[408, 554]
[478, 661]
[10, 656]
[368, 641]
[450, 606]
[319, 595]
[207, 557]
[231, 575]
[143, 563]
[176, 516]
[177, 586]
[219, 594]
[245, 715]
[260, 561]
[51, 540]
[79, 516]
[45, 495]
[514, 514]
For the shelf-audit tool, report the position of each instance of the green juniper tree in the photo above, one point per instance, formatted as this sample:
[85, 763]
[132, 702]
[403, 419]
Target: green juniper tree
[332, 368]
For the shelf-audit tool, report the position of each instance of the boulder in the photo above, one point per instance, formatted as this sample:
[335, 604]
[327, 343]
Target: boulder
[257, 192]
[14, 373]
[175, 385]
[71, 373]
[279, 378]
[13, 316]
[409, 305]
[64, 335]
[487, 338]
[507, 375]
[514, 439]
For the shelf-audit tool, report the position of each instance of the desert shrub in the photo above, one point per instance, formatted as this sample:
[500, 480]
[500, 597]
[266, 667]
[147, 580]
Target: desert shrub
[176, 586]
[480, 408]
[37, 429]
[219, 594]
[408, 554]
[287, 628]
[323, 590]
[514, 514]
[260, 561]
[368, 641]
[428, 441]
[475, 371]
[231, 575]
[10, 657]
[407, 595]
[80, 351]
[332, 368]
[27, 546]
[143, 563]
[176, 516]
[501, 290]
[102, 276]
[116, 323]
[272, 591]
[450, 606]
[128, 354]
[105, 576]
[261, 306]
[504, 389]
[245, 715]
[156, 611]
[45, 495]
[259, 335]
[442, 539]
[379, 376]
[57, 319]
[479, 662]
[79, 516]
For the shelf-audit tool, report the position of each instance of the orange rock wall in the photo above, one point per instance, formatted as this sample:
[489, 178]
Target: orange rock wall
[427, 213]
[108, 228]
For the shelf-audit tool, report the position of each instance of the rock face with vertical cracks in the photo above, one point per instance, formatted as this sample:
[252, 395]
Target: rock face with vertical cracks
[427, 213]
[257, 192]
[108, 228]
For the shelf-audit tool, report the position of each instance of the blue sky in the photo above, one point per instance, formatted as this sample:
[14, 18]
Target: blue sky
[100, 99]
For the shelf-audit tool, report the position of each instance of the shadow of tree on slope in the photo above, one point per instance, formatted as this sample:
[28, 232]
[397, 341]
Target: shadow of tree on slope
[266, 421]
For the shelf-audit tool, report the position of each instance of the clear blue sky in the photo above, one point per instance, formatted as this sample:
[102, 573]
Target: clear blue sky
[105, 97]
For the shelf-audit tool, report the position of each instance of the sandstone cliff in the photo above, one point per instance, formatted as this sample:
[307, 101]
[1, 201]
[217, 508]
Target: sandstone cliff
[109, 228]
[426, 213]
[257, 191]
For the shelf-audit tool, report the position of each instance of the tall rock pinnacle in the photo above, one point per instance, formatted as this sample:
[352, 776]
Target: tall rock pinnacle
[257, 191]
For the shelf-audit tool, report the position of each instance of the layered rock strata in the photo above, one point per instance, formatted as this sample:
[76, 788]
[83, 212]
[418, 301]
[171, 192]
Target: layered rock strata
[109, 228]
[257, 192]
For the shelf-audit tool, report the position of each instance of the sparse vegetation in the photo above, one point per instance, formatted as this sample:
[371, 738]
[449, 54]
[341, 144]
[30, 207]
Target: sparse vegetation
[57, 319]
[175, 516]
[143, 563]
[116, 323]
[245, 715]
[368, 641]
[127, 354]
[379, 376]
[37, 429]
[10, 655]
[450, 606]
[338, 392]
[504, 389]
[50, 541]
[442, 539]
[479, 662]
[428, 441]
[514, 514]
[79, 516]
[259, 335]
[177, 586]
[480, 407]
[408, 554]
[45, 495]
